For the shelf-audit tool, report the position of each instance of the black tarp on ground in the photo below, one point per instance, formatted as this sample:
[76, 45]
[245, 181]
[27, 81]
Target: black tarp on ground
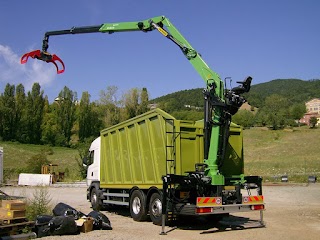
[62, 209]
[101, 221]
[55, 225]
[63, 221]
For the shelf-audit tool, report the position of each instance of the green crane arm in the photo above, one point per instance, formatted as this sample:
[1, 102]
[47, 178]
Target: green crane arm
[216, 110]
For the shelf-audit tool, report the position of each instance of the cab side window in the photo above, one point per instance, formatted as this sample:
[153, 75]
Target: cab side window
[90, 157]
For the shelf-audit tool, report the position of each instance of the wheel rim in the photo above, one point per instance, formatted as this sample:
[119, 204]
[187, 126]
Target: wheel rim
[94, 198]
[136, 205]
[156, 208]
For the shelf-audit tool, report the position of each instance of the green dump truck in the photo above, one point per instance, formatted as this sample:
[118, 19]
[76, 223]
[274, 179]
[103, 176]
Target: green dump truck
[163, 167]
[129, 162]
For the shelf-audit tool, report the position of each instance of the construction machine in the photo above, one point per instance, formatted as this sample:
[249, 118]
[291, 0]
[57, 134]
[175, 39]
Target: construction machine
[52, 170]
[215, 185]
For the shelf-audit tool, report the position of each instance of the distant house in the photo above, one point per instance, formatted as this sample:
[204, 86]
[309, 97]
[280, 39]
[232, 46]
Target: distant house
[306, 118]
[193, 107]
[313, 110]
[313, 106]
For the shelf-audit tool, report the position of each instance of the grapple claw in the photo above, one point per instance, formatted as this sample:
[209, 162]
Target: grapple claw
[44, 56]
[55, 59]
[33, 54]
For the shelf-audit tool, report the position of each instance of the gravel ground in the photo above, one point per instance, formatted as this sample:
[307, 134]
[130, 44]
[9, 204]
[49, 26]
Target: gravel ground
[292, 212]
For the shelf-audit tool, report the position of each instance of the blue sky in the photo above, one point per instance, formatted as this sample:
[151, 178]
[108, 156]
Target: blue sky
[265, 39]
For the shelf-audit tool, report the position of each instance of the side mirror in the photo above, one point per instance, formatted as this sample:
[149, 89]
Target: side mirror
[85, 161]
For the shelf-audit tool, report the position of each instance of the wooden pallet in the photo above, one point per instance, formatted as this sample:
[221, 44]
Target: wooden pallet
[12, 209]
[11, 214]
[12, 204]
[12, 221]
[15, 228]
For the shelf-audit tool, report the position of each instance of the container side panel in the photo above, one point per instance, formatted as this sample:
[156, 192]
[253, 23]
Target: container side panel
[146, 152]
[116, 158]
[124, 156]
[157, 134]
[106, 168]
[190, 149]
[134, 156]
[133, 153]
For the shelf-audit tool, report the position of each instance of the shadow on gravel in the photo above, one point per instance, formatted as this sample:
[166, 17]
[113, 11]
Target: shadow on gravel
[208, 224]
[119, 210]
[212, 224]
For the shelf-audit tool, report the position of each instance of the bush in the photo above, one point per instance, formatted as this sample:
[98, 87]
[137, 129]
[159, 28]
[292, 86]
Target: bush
[82, 151]
[39, 204]
[313, 122]
[35, 162]
[82, 170]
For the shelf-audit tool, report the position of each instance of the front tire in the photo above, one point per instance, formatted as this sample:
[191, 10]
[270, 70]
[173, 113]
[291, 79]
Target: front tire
[138, 207]
[95, 200]
[155, 208]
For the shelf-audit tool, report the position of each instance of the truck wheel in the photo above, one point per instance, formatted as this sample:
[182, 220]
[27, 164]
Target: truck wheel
[155, 208]
[138, 209]
[95, 200]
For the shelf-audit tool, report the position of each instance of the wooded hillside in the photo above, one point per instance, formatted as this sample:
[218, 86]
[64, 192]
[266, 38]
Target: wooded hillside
[30, 118]
[295, 90]
[281, 102]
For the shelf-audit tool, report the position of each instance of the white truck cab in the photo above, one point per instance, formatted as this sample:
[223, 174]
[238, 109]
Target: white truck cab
[93, 162]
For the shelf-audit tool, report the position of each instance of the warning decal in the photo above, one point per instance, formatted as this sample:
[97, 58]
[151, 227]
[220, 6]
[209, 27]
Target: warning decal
[252, 199]
[209, 201]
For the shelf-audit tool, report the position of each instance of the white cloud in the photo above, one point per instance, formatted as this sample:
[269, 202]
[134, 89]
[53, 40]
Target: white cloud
[11, 71]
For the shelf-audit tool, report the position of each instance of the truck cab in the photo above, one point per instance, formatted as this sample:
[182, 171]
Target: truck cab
[93, 162]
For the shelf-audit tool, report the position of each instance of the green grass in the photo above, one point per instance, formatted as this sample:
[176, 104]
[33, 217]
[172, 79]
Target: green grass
[268, 153]
[15, 156]
[294, 152]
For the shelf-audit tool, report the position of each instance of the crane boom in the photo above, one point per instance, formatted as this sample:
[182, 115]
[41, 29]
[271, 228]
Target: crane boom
[219, 103]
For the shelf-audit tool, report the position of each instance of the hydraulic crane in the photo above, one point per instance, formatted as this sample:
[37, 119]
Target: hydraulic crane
[220, 105]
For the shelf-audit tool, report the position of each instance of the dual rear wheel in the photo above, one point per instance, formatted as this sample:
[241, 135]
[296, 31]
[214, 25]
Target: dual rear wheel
[138, 207]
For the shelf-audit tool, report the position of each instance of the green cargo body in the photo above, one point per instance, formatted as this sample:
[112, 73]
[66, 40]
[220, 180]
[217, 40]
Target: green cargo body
[139, 151]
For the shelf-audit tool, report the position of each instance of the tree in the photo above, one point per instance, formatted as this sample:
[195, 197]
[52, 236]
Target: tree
[261, 118]
[144, 101]
[34, 114]
[51, 131]
[244, 118]
[297, 111]
[84, 116]
[110, 106]
[255, 99]
[170, 105]
[65, 113]
[8, 113]
[135, 102]
[276, 108]
[313, 122]
[89, 123]
[20, 104]
[131, 102]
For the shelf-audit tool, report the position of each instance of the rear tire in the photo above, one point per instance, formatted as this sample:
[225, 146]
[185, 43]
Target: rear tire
[95, 200]
[155, 208]
[138, 208]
